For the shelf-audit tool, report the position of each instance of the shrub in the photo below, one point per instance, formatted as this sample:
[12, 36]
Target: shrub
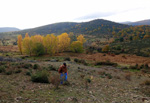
[9, 72]
[28, 73]
[106, 63]
[40, 77]
[146, 82]
[109, 76]
[36, 66]
[2, 69]
[106, 48]
[27, 66]
[51, 67]
[18, 71]
[55, 80]
[76, 60]
[67, 59]
[146, 65]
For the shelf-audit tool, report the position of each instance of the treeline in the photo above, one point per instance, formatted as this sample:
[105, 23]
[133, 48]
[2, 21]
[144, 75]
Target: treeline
[132, 33]
[50, 44]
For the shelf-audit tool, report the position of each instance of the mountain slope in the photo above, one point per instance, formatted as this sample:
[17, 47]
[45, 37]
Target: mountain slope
[8, 29]
[142, 22]
[95, 27]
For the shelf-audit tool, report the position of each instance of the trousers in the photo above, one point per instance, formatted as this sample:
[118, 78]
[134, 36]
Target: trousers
[63, 77]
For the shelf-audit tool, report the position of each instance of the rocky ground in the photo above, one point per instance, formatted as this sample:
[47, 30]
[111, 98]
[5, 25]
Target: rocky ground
[104, 84]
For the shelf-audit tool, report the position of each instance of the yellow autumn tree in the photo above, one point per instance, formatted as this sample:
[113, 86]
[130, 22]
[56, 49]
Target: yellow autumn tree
[106, 48]
[27, 45]
[63, 42]
[77, 47]
[26, 35]
[50, 43]
[81, 39]
[19, 42]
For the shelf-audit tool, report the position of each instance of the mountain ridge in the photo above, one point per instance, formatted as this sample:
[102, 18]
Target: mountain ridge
[8, 29]
[94, 27]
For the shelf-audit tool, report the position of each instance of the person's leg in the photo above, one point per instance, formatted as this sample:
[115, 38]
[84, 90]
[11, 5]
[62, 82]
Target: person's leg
[61, 78]
[65, 76]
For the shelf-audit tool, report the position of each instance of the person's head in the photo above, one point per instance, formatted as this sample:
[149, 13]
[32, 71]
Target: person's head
[64, 64]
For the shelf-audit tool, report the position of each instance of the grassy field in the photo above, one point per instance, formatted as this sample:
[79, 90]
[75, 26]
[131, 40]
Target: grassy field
[105, 84]
[92, 78]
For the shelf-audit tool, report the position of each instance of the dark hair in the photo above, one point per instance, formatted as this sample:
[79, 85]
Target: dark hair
[64, 64]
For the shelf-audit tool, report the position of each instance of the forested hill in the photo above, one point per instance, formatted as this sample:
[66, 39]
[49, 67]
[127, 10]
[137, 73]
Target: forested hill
[95, 27]
[142, 22]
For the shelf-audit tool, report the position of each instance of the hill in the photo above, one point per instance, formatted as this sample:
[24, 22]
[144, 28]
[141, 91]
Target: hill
[8, 29]
[95, 27]
[143, 22]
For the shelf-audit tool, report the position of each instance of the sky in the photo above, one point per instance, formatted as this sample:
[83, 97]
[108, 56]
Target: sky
[24, 14]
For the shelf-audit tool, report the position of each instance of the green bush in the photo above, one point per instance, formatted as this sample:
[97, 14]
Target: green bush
[38, 49]
[18, 71]
[28, 73]
[27, 66]
[76, 60]
[67, 59]
[106, 63]
[9, 72]
[40, 77]
[2, 69]
[77, 47]
[52, 68]
[36, 66]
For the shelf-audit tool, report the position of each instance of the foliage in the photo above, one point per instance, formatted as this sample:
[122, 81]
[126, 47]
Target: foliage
[95, 27]
[77, 47]
[36, 66]
[20, 43]
[38, 49]
[63, 42]
[40, 77]
[27, 66]
[106, 48]
[133, 33]
[81, 39]
[67, 59]
[27, 45]
[2, 69]
[50, 43]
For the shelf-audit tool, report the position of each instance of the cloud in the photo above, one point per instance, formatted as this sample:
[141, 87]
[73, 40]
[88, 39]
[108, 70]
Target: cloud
[95, 15]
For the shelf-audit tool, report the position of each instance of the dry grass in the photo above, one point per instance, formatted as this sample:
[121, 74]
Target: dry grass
[9, 48]
[130, 59]
[127, 76]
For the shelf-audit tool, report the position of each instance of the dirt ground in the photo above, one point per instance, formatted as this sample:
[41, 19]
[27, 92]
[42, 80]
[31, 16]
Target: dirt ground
[125, 59]
[9, 48]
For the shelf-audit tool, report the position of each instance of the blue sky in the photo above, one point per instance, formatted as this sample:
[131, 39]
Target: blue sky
[25, 14]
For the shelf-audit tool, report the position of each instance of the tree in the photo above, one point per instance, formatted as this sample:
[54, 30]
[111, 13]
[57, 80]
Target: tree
[106, 48]
[63, 42]
[27, 45]
[19, 42]
[38, 49]
[50, 43]
[26, 35]
[77, 47]
[81, 39]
